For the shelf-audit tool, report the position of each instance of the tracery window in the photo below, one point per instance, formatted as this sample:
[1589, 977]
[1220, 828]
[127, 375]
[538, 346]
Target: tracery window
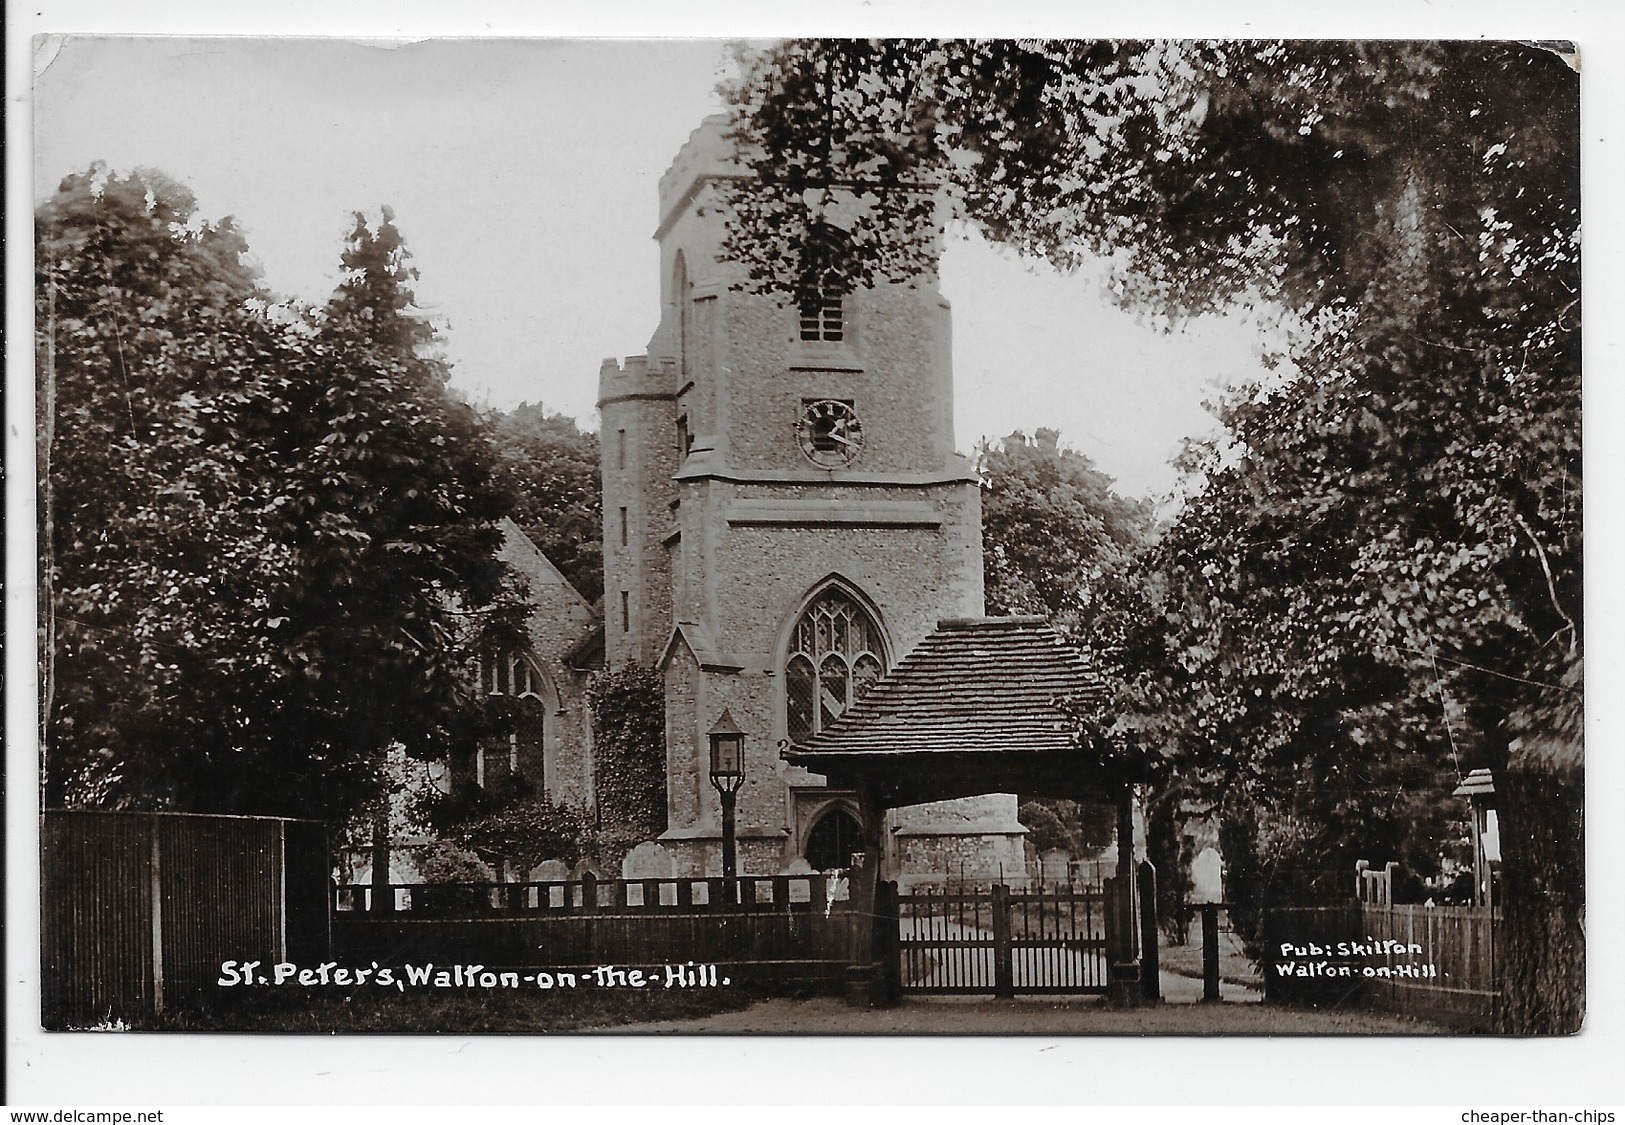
[512, 674]
[835, 657]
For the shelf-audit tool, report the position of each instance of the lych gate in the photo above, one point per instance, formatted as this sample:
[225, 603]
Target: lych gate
[978, 707]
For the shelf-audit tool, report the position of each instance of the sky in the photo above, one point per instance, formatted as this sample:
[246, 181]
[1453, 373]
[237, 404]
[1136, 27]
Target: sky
[522, 174]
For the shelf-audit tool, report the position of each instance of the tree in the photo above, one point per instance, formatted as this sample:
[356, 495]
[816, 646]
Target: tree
[393, 511]
[393, 517]
[1057, 541]
[269, 539]
[550, 469]
[160, 551]
[1377, 575]
[1055, 536]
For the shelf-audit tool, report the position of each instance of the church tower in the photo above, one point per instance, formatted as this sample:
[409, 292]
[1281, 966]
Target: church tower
[785, 517]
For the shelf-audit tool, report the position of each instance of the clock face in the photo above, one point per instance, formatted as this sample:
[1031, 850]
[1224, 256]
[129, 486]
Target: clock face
[829, 432]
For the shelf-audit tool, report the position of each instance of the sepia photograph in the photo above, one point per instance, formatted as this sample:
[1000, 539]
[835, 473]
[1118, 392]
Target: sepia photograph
[813, 537]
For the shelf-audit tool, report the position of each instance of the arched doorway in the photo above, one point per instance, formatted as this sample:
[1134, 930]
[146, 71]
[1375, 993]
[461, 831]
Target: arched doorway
[833, 839]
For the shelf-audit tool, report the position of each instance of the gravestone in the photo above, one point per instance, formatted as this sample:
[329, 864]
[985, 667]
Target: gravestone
[550, 870]
[649, 860]
[1207, 876]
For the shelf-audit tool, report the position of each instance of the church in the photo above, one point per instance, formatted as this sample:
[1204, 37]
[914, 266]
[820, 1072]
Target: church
[785, 519]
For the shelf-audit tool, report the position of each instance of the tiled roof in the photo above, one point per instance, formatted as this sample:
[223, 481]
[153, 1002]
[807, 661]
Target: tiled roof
[976, 685]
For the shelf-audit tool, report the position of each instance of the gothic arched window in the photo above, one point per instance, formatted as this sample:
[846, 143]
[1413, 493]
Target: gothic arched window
[521, 753]
[835, 657]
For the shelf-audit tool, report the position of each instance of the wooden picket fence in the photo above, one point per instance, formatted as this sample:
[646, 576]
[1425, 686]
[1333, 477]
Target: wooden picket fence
[1433, 962]
[784, 930]
[1457, 945]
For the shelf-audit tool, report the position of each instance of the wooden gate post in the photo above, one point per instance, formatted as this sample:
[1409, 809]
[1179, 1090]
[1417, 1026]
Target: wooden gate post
[864, 981]
[1004, 975]
[1121, 937]
[1150, 972]
[888, 941]
[1210, 953]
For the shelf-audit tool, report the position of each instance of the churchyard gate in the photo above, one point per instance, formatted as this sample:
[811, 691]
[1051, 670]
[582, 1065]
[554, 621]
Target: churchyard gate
[1002, 941]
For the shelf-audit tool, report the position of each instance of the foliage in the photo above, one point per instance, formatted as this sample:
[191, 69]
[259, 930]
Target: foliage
[510, 825]
[506, 821]
[1169, 851]
[257, 526]
[1054, 534]
[157, 557]
[550, 469]
[1057, 541]
[442, 862]
[393, 515]
[1079, 828]
[629, 725]
[1377, 568]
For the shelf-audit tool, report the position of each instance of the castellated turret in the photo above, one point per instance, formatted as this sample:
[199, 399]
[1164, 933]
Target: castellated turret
[637, 411]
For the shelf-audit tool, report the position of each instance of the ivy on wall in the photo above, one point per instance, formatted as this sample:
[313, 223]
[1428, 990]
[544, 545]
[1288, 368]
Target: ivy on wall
[629, 722]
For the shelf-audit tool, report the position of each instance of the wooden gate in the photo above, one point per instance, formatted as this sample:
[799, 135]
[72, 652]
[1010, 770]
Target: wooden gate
[995, 940]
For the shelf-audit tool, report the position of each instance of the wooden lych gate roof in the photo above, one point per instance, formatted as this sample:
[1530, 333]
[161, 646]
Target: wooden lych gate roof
[975, 708]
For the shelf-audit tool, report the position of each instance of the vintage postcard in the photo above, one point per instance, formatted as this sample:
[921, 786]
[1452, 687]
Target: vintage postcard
[1067, 538]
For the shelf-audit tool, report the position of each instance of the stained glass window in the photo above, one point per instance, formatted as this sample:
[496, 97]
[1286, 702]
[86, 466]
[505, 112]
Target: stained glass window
[835, 657]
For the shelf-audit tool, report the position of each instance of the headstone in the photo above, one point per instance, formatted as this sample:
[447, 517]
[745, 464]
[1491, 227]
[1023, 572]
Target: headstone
[648, 861]
[587, 865]
[1054, 865]
[1207, 876]
[550, 871]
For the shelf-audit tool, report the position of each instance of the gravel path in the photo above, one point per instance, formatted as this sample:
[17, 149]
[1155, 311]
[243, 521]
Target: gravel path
[1179, 1014]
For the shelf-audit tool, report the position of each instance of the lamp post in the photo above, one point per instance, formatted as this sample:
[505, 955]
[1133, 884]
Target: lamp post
[727, 775]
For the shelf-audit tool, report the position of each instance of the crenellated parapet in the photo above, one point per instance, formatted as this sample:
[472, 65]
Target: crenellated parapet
[636, 378]
[708, 153]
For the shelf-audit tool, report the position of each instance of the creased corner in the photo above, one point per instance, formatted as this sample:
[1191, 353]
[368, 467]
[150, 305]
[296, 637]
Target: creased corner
[46, 49]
